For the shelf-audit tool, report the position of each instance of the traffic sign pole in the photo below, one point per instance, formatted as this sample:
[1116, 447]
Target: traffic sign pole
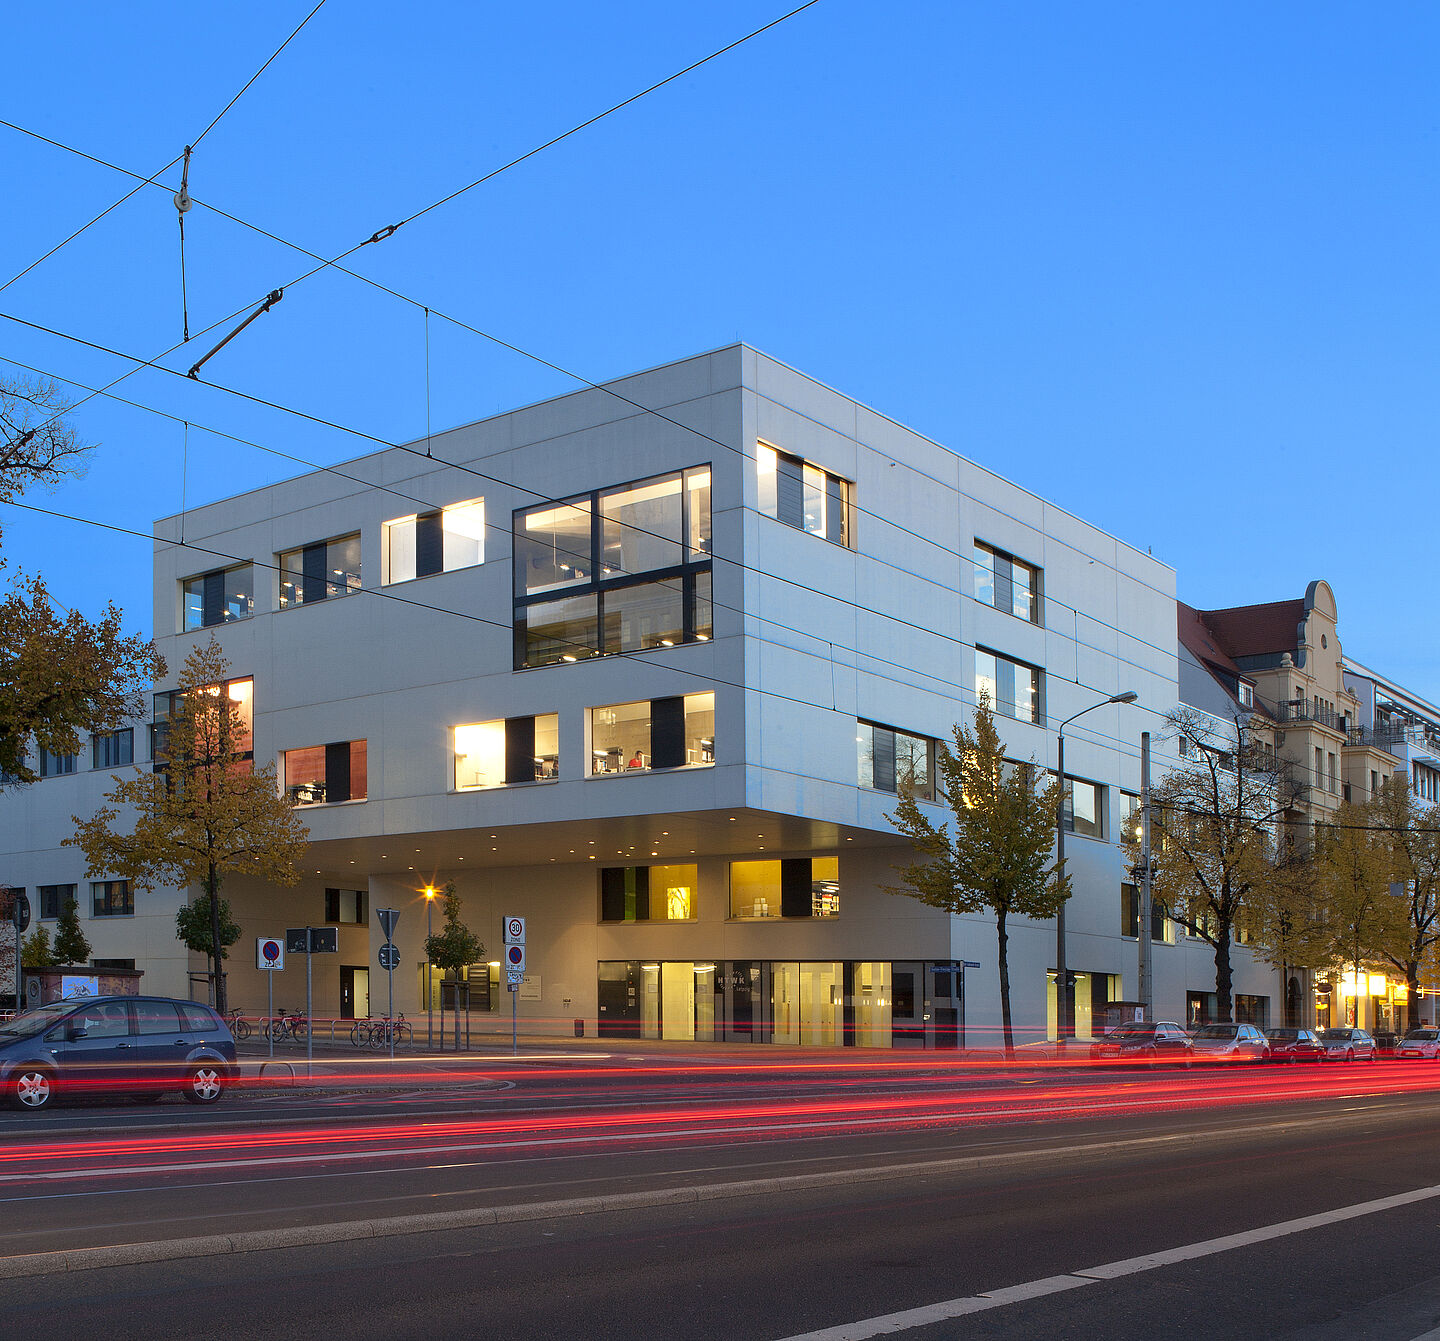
[270, 1018]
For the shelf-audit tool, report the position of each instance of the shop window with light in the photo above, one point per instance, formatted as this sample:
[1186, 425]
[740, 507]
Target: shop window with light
[1015, 689]
[113, 749]
[346, 906]
[111, 898]
[647, 893]
[442, 541]
[655, 733]
[325, 774]
[1008, 583]
[803, 495]
[625, 569]
[891, 759]
[241, 693]
[789, 887]
[507, 751]
[217, 597]
[323, 571]
[1084, 808]
[52, 765]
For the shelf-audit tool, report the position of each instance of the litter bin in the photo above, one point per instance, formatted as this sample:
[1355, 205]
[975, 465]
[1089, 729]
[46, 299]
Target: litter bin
[579, 1028]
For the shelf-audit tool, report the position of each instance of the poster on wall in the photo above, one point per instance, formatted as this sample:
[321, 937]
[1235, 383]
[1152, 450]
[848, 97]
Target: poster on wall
[530, 987]
[78, 985]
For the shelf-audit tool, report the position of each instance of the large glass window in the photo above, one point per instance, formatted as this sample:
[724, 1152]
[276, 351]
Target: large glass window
[802, 495]
[1014, 687]
[114, 748]
[241, 693]
[1007, 583]
[890, 759]
[598, 550]
[515, 749]
[647, 893]
[654, 733]
[217, 597]
[346, 906]
[320, 572]
[791, 887]
[325, 774]
[1162, 929]
[435, 542]
[111, 898]
[54, 765]
[1084, 808]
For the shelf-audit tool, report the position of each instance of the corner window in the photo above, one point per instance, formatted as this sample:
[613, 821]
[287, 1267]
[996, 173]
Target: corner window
[1084, 808]
[803, 496]
[325, 774]
[55, 765]
[625, 569]
[512, 749]
[1014, 687]
[53, 899]
[647, 894]
[1007, 583]
[435, 542]
[890, 759]
[654, 733]
[114, 748]
[792, 887]
[320, 572]
[345, 906]
[217, 597]
[111, 898]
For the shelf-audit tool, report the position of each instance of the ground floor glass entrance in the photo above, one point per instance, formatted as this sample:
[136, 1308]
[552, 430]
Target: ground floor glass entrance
[807, 1003]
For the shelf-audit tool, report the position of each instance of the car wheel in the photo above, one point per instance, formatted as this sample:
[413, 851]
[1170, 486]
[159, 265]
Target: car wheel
[205, 1085]
[32, 1087]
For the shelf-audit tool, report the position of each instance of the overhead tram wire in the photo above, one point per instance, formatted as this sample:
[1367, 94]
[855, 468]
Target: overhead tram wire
[148, 180]
[536, 494]
[607, 390]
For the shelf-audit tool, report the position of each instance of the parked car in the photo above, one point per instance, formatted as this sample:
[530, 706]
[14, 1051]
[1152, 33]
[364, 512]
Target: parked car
[1294, 1045]
[1163, 1041]
[1421, 1043]
[1228, 1043]
[1345, 1045]
[143, 1045]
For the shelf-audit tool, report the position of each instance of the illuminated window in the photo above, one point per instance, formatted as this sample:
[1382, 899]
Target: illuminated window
[217, 597]
[647, 893]
[791, 887]
[325, 774]
[654, 733]
[435, 542]
[1014, 687]
[509, 750]
[320, 572]
[241, 693]
[345, 906]
[617, 570]
[802, 495]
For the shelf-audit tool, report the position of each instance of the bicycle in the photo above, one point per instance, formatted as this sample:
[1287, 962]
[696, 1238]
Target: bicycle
[240, 1027]
[378, 1032]
[287, 1027]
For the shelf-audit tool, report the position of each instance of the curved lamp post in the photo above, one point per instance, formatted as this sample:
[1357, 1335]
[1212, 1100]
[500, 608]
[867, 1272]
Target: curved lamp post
[429, 974]
[1064, 1015]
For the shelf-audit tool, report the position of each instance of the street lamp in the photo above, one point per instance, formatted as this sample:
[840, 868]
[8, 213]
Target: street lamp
[1064, 1016]
[429, 976]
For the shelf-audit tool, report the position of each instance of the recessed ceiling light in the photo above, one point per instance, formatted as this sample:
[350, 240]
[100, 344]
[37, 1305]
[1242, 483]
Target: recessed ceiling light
[592, 856]
[664, 833]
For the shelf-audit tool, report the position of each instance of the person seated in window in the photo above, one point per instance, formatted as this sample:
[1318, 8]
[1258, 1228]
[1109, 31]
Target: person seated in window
[637, 761]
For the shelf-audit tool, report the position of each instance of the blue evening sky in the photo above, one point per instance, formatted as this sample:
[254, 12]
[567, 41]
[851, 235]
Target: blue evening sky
[1172, 266]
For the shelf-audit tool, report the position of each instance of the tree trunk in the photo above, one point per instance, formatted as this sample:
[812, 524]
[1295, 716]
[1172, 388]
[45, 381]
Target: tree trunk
[1224, 1003]
[1004, 939]
[1412, 995]
[216, 951]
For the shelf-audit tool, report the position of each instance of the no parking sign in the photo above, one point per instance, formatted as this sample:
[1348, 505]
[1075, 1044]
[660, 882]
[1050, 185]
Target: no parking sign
[269, 953]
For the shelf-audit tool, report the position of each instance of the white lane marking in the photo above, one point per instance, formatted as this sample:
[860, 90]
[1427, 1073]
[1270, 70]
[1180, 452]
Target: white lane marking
[930, 1314]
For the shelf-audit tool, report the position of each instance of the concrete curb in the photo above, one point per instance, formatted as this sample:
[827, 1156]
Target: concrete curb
[296, 1236]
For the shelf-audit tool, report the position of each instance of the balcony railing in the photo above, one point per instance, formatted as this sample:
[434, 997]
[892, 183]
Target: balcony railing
[1387, 739]
[1305, 710]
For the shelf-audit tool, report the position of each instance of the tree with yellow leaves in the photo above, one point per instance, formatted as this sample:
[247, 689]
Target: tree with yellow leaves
[999, 855]
[205, 812]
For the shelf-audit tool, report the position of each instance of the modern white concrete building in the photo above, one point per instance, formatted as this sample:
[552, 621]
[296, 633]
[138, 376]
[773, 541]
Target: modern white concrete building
[643, 664]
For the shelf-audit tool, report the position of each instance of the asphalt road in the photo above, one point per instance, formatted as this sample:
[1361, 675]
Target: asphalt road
[728, 1198]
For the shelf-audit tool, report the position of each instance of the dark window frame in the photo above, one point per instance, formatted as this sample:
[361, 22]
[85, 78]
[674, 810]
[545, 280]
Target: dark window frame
[100, 895]
[693, 563]
[317, 581]
[100, 741]
[1002, 580]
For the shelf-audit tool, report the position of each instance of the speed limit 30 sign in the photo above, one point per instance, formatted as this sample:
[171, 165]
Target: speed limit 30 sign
[514, 928]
